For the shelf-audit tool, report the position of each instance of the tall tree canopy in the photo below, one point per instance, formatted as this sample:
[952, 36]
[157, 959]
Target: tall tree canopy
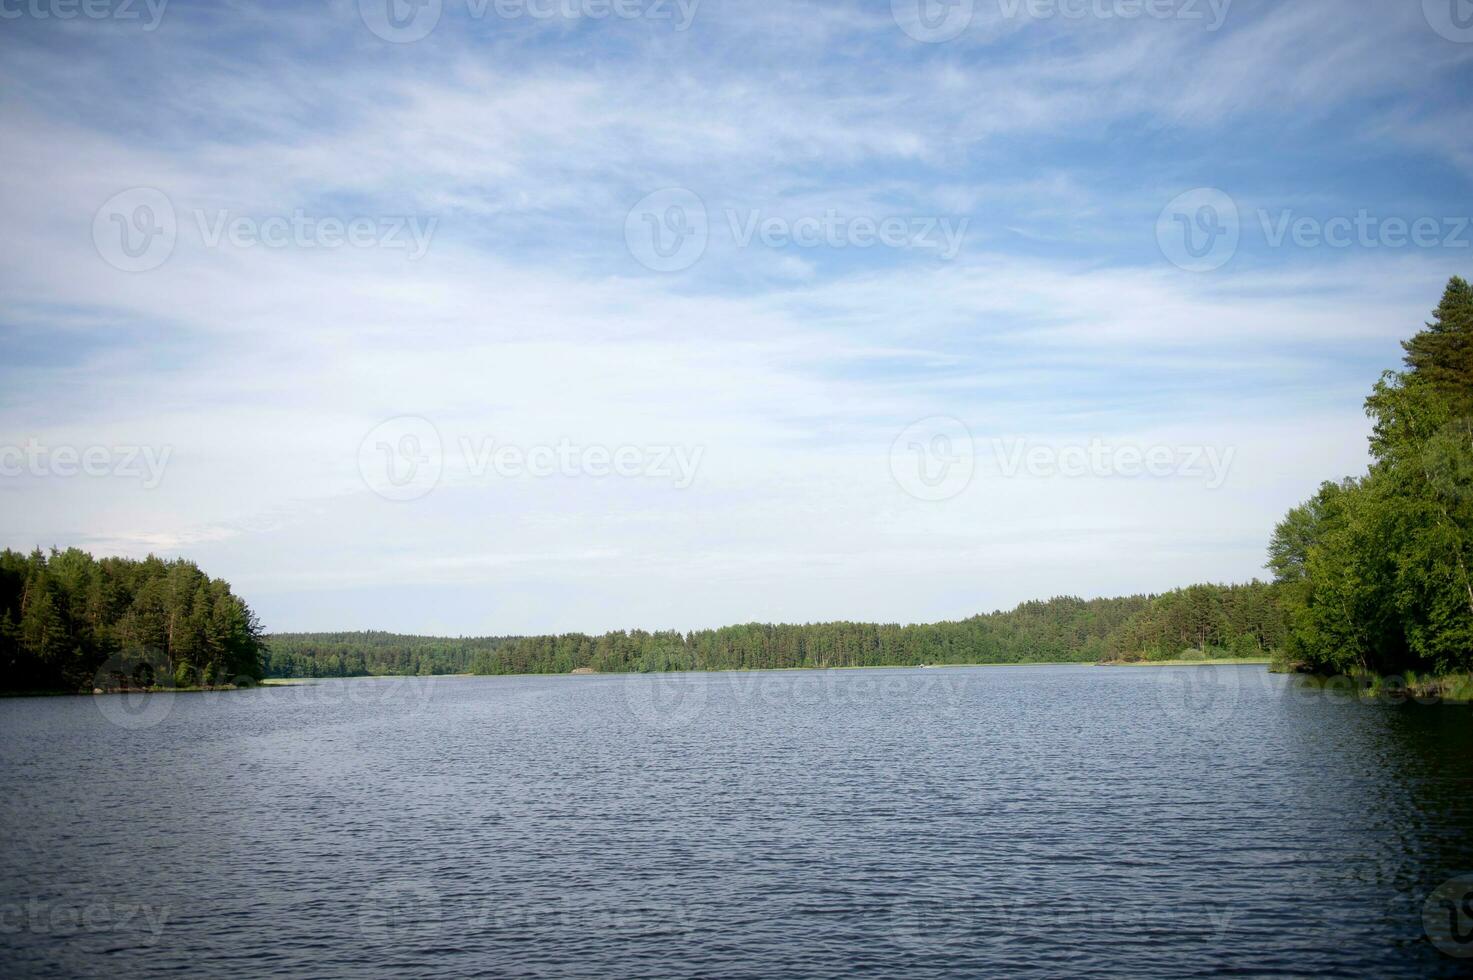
[71, 622]
[1376, 572]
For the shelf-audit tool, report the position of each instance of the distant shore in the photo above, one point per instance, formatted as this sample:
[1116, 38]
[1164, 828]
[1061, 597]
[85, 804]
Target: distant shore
[1202, 662]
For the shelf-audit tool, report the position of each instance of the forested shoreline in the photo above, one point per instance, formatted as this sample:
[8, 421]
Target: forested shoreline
[1211, 620]
[1375, 573]
[1059, 630]
[71, 622]
[371, 653]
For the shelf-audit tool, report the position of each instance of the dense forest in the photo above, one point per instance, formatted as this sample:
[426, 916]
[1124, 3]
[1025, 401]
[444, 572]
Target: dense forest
[1058, 630]
[1374, 572]
[371, 654]
[1214, 620]
[70, 622]
[1208, 620]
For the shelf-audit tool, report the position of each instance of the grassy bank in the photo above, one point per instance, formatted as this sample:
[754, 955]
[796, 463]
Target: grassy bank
[1400, 688]
[1426, 688]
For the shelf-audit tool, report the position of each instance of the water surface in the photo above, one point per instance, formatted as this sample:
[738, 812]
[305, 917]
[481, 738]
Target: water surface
[1027, 821]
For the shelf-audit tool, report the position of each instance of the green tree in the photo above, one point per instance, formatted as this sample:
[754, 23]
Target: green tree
[1375, 572]
[65, 615]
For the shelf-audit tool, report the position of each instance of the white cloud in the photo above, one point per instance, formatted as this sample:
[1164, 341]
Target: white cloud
[261, 370]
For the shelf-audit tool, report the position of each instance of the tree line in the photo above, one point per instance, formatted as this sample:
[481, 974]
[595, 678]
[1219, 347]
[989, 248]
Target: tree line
[71, 622]
[1207, 620]
[1216, 620]
[371, 653]
[1375, 573]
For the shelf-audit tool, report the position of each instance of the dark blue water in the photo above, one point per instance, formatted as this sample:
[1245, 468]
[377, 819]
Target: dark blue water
[1034, 821]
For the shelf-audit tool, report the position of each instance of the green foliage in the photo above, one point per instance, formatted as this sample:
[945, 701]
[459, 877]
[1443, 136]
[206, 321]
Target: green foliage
[69, 621]
[1210, 620]
[1374, 573]
[1063, 629]
[1222, 620]
[369, 654]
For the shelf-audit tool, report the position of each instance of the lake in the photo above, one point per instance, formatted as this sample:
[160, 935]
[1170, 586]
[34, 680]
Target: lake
[958, 822]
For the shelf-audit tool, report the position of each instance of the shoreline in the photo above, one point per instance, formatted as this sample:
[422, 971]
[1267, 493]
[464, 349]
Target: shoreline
[1249, 661]
[1190, 662]
[100, 692]
[1456, 689]
[1449, 689]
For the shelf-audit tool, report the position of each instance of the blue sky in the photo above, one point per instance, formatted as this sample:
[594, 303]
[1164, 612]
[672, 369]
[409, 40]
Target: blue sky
[660, 233]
